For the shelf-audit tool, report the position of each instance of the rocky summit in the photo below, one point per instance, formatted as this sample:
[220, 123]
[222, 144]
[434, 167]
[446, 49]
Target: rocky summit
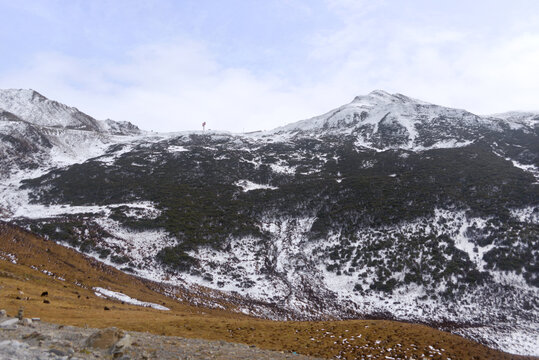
[387, 207]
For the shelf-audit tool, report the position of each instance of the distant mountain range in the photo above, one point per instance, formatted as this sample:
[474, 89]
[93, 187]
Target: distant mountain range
[386, 207]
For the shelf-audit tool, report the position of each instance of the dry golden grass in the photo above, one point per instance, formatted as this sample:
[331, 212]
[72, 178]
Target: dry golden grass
[77, 305]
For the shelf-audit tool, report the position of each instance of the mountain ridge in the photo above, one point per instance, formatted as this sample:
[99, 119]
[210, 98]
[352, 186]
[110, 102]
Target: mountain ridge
[39, 110]
[32, 107]
[382, 121]
[35, 131]
[369, 100]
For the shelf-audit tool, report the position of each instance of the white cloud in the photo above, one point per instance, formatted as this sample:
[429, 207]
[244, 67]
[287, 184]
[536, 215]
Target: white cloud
[452, 66]
[179, 84]
[166, 87]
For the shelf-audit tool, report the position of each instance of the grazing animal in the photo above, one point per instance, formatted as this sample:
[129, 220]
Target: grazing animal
[45, 293]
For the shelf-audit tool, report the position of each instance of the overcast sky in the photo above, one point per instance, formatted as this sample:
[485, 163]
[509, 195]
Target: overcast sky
[245, 65]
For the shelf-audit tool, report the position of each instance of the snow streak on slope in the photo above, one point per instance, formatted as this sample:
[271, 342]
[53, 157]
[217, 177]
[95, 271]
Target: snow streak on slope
[247, 185]
[101, 292]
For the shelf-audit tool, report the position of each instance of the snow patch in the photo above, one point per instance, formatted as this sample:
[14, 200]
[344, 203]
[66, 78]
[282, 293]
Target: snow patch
[247, 185]
[281, 168]
[528, 214]
[177, 148]
[532, 169]
[38, 211]
[8, 257]
[101, 292]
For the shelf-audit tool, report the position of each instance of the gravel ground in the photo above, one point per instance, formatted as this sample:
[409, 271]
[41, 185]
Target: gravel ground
[38, 340]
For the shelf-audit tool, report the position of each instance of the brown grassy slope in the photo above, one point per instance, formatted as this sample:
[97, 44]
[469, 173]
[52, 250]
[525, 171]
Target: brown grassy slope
[73, 302]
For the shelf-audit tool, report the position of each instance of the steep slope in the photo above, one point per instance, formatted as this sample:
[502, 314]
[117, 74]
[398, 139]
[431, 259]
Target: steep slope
[19, 141]
[386, 207]
[30, 266]
[38, 110]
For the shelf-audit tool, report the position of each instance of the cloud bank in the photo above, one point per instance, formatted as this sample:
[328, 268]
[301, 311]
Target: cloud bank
[178, 82]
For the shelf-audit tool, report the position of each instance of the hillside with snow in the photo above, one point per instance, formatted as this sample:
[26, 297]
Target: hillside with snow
[36, 132]
[386, 207]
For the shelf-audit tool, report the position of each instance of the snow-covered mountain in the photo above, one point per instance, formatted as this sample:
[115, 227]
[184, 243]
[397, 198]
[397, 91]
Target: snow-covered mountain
[37, 132]
[38, 110]
[530, 119]
[386, 207]
[385, 121]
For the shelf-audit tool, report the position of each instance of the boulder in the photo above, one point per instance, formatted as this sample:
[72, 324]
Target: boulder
[121, 345]
[105, 339]
[8, 323]
[25, 322]
[34, 336]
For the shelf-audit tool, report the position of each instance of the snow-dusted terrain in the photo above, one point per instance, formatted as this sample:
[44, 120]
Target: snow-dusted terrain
[105, 293]
[386, 207]
[36, 132]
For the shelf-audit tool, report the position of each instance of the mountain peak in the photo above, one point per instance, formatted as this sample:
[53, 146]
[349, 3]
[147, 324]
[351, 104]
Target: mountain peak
[36, 109]
[380, 120]
[381, 93]
[22, 94]
[377, 97]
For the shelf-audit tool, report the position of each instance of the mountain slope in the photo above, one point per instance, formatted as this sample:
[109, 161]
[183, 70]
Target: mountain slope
[386, 207]
[382, 121]
[30, 265]
[530, 119]
[36, 132]
[38, 110]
